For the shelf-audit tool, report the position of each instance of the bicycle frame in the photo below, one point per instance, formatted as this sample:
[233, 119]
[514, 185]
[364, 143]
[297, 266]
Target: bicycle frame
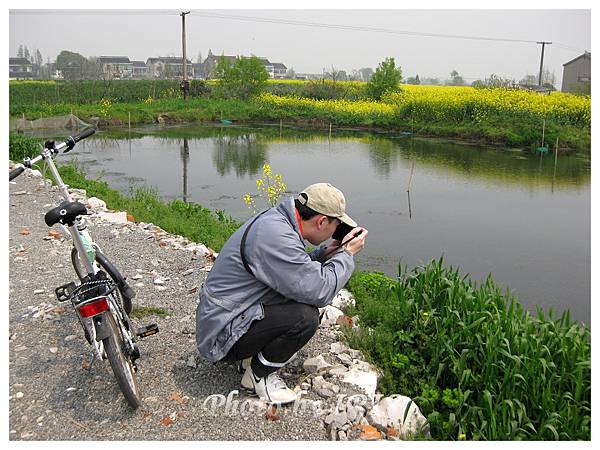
[90, 324]
[90, 267]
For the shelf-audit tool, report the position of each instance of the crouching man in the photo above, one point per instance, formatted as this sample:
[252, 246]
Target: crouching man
[259, 304]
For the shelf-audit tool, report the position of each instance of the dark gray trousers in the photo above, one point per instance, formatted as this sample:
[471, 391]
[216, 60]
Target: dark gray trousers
[271, 341]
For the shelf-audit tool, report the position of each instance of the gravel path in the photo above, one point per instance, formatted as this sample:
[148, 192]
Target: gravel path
[54, 394]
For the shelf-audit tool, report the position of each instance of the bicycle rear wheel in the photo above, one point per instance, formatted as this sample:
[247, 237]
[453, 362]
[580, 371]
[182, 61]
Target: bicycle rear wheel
[120, 362]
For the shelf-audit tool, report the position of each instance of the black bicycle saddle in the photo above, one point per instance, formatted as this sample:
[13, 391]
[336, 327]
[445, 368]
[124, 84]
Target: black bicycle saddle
[65, 213]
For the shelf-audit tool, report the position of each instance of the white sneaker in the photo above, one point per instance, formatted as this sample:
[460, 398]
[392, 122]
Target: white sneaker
[271, 388]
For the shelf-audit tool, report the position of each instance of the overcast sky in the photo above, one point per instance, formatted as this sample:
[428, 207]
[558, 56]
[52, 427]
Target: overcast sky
[310, 40]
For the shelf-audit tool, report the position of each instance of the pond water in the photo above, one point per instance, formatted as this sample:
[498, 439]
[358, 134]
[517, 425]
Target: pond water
[518, 216]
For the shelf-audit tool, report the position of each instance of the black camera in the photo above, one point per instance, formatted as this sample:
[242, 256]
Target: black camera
[341, 231]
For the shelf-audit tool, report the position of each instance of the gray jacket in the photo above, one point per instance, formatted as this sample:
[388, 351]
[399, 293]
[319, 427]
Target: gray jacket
[231, 299]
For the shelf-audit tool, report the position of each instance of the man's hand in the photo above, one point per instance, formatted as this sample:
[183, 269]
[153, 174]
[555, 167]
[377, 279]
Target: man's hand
[354, 246]
[357, 243]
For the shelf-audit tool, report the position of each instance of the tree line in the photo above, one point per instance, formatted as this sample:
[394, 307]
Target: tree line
[75, 66]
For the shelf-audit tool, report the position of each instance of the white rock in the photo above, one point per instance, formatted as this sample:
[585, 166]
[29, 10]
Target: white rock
[316, 364]
[19, 395]
[188, 272]
[355, 353]
[319, 383]
[363, 365]
[336, 419]
[390, 411]
[343, 299]
[330, 315]
[159, 281]
[338, 371]
[96, 203]
[345, 358]
[137, 277]
[70, 338]
[160, 288]
[354, 413]
[38, 291]
[338, 347]
[118, 218]
[53, 350]
[367, 380]
[35, 173]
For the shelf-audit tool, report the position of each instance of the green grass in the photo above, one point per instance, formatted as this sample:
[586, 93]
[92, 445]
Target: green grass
[146, 101]
[472, 358]
[145, 311]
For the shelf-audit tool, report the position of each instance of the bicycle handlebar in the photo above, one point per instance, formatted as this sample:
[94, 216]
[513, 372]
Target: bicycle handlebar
[84, 134]
[68, 144]
[15, 173]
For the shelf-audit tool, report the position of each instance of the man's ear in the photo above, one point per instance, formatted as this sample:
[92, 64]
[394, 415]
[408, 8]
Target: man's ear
[320, 220]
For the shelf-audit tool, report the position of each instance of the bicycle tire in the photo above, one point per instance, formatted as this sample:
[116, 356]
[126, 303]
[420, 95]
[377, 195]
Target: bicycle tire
[112, 272]
[121, 364]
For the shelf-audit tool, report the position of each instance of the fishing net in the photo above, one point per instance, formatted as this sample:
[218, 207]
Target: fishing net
[68, 122]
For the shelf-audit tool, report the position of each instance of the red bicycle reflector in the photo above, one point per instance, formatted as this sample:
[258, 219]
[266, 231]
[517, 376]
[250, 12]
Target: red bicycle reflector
[94, 308]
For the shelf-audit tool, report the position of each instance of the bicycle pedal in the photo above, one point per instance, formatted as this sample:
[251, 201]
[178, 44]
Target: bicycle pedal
[146, 331]
[63, 293]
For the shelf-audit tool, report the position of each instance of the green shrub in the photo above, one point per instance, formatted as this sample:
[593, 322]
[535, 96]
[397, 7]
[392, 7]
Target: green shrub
[472, 358]
[20, 146]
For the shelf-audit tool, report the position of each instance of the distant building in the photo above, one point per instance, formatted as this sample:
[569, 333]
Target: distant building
[275, 70]
[279, 70]
[169, 67]
[115, 67]
[577, 74]
[20, 69]
[140, 69]
[208, 65]
[206, 69]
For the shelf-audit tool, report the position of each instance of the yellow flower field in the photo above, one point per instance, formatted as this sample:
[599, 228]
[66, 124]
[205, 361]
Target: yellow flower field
[454, 104]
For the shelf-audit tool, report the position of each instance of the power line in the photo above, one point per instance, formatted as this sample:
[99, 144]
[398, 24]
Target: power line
[352, 27]
[369, 29]
[166, 12]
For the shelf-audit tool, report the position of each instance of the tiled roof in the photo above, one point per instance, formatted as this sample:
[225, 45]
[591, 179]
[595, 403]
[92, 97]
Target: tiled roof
[114, 59]
[168, 59]
[584, 55]
[18, 61]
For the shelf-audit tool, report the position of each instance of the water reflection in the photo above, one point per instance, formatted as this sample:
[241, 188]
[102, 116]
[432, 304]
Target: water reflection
[185, 158]
[496, 165]
[245, 154]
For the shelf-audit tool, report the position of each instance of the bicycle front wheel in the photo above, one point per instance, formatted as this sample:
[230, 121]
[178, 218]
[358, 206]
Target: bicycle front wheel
[120, 362]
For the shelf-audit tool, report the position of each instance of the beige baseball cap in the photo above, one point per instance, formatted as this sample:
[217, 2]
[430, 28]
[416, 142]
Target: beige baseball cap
[326, 199]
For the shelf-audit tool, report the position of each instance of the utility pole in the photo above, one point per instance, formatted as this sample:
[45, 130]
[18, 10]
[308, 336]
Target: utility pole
[542, 60]
[184, 83]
